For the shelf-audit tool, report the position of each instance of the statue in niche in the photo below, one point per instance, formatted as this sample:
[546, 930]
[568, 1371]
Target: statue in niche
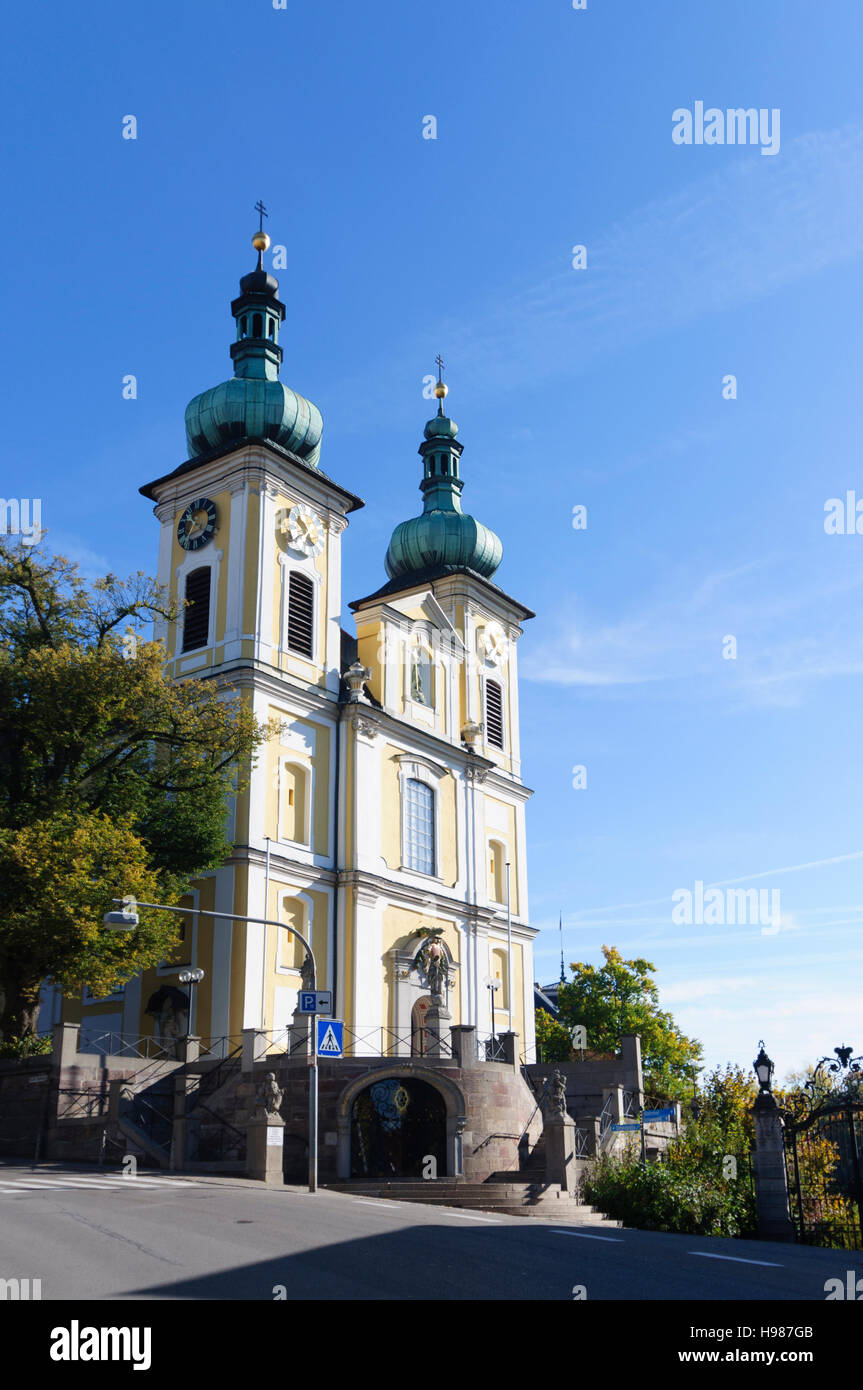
[169, 1006]
[431, 960]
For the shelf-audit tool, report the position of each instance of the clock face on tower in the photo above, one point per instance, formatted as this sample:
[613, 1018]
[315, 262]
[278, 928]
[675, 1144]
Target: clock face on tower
[197, 525]
[304, 530]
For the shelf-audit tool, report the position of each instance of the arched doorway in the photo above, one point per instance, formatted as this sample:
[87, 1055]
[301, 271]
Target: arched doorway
[396, 1125]
[419, 1034]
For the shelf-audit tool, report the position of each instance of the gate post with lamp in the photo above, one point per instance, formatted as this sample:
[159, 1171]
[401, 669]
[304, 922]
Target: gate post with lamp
[773, 1211]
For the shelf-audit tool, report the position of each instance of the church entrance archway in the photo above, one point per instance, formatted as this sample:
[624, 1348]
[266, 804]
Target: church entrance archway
[397, 1124]
[419, 1032]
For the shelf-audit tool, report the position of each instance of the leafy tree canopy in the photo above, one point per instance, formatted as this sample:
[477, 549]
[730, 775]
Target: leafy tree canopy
[621, 997]
[113, 780]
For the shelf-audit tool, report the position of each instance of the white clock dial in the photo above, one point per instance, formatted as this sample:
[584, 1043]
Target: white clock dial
[304, 530]
[492, 642]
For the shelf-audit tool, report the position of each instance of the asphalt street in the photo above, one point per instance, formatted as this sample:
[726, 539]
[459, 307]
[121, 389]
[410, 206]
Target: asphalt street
[89, 1234]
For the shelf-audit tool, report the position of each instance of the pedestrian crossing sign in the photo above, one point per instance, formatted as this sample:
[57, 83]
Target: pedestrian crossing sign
[330, 1037]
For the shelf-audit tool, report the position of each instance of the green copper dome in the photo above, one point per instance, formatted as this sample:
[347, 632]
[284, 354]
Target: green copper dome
[254, 404]
[444, 539]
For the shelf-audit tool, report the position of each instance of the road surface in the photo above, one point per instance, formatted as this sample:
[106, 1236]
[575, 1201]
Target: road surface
[90, 1234]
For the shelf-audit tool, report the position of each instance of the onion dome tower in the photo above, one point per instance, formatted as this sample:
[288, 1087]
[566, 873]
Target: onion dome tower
[254, 404]
[444, 539]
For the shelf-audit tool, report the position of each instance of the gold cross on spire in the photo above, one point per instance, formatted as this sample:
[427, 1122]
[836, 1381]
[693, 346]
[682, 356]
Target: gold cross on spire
[260, 240]
[441, 389]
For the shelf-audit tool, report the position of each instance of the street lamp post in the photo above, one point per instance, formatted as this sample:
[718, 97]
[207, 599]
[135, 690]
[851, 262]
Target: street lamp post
[127, 920]
[493, 985]
[191, 978]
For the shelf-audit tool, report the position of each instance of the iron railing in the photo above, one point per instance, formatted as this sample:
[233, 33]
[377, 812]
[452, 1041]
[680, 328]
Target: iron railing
[490, 1049]
[386, 1042]
[154, 1116]
[126, 1045]
[149, 1048]
[281, 1042]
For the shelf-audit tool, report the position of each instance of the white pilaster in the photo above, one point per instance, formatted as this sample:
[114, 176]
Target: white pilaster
[368, 980]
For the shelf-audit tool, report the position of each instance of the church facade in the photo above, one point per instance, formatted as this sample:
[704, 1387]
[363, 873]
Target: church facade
[387, 806]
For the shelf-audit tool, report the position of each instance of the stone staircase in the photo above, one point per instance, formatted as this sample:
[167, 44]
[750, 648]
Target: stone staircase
[525, 1192]
[509, 1194]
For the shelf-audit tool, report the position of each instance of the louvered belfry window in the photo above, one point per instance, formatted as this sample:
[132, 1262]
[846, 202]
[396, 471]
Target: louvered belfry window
[301, 613]
[494, 713]
[196, 621]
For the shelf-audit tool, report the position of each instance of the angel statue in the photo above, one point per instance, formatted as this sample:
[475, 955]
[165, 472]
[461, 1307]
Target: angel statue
[431, 959]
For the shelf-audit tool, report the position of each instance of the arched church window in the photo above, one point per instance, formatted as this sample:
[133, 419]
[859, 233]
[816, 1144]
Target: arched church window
[496, 872]
[257, 326]
[291, 951]
[294, 803]
[421, 675]
[243, 322]
[301, 614]
[196, 620]
[271, 328]
[419, 826]
[500, 971]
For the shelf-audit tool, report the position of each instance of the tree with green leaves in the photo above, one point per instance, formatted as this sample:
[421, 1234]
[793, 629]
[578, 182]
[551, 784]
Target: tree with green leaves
[114, 781]
[615, 998]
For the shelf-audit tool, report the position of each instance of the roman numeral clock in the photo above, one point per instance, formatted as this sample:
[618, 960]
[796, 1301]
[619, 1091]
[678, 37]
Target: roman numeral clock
[197, 525]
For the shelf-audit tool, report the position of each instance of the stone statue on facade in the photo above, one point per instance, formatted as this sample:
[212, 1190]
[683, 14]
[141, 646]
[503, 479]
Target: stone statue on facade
[555, 1096]
[269, 1095]
[431, 959]
[436, 970]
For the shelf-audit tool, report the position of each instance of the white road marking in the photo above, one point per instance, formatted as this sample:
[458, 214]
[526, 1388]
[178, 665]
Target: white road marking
[80, 1184]
[469, 1216]
[12, 1190]
[429, 1208]
[615, 1240]
[737, 1259]
[382, 1202]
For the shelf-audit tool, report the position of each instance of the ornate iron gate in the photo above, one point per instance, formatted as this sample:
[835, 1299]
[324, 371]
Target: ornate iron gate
[824, 1158]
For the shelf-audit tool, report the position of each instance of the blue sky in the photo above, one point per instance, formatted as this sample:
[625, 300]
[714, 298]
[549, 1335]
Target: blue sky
[600, 387]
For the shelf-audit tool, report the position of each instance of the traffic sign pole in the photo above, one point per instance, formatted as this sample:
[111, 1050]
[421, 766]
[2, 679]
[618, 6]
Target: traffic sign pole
[313, 1104]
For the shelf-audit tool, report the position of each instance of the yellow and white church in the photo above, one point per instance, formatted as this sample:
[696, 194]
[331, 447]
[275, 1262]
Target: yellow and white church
[389, 797]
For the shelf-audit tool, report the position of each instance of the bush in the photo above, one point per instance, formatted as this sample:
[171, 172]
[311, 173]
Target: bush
[671, 1196]
[687, 1190]
[30, 1046]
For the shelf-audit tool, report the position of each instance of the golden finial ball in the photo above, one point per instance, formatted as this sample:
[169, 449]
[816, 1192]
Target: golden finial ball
[441, 390]
[261, 241]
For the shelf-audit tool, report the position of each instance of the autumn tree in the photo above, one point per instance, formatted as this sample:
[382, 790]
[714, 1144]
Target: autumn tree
[620, 997]
[113, 779]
